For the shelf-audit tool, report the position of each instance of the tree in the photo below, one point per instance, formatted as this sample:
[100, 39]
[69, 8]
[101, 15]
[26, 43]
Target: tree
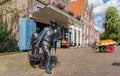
[102, 36]
[111, 24]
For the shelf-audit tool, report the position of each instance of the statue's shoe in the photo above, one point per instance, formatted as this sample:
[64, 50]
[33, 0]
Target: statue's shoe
[48, 69]
[42, 67]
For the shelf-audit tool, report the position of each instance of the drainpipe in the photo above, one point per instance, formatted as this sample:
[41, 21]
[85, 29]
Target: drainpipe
[27, 8]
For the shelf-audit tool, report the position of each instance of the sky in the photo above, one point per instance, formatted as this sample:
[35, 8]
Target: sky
[99, 10]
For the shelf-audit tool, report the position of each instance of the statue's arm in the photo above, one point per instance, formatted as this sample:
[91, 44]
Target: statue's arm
[40, 36]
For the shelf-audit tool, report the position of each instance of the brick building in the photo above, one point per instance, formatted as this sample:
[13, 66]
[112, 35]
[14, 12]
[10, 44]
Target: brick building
[73, 16]
[43, 12]
[85, 12]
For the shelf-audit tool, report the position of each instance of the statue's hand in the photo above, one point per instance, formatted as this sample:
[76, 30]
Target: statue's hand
[36, 46]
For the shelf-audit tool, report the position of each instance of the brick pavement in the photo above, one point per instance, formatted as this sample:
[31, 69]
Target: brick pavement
[72, 62]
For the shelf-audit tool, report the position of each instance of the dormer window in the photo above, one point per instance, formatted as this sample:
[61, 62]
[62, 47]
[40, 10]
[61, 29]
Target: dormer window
[38, 8]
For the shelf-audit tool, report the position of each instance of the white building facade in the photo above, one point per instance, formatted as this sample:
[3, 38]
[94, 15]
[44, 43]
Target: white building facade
[76, 35]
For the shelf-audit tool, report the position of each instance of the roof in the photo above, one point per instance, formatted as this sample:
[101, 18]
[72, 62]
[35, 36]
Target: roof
[77, 7]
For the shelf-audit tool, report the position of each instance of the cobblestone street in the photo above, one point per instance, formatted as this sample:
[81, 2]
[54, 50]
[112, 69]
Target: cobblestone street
[72, 62]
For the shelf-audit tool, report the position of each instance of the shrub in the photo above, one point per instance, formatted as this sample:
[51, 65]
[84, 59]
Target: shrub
[8, 43]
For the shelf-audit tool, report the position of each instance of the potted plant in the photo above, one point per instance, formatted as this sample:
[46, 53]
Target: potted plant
[70, 12]
[78, 17]
[59, 5]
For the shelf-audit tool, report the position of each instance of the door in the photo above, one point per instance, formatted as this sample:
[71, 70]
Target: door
[26, 28]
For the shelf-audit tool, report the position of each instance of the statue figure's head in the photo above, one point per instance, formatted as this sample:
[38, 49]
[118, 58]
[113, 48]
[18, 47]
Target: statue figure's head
[53, 23]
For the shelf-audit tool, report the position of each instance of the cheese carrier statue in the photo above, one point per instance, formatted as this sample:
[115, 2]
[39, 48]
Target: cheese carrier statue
[44, 39]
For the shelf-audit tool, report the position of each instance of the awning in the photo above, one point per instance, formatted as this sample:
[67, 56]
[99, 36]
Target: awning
[51, 12]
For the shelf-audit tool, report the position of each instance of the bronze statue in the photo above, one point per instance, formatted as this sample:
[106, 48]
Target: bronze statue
[45, 39]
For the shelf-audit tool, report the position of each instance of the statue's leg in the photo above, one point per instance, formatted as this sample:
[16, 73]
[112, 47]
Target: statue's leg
[46, 49]
[42, 61]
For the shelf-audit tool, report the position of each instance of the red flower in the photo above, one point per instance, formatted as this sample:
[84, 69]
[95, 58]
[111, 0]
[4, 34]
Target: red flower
[59, 5]
[70, 12]
[78, 17]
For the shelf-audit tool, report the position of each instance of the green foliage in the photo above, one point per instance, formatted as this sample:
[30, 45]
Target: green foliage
[8, 42]
[102, 36]
[111, 24]
[112, 36]
[4, 1]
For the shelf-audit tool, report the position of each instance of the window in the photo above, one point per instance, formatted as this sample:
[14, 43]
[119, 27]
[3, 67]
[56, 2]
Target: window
[38, 8]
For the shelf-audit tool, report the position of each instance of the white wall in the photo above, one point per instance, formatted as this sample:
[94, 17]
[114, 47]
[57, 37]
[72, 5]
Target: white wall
[73, 27]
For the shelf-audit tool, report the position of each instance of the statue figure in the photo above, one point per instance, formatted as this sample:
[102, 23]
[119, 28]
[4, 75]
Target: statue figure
[45, 39]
